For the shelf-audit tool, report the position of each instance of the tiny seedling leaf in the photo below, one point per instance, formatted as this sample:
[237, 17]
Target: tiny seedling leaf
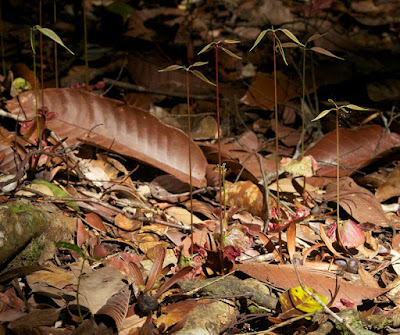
[322, 114]
[231, 41]
[230, 53]
[171, 68]
[206, 48]
[289, 34]
[325, 52]
[199, 63]
[70, 246]
[315, 37]
[259, 38]
[51, 34]
[289, 45]
[281, 51]
[356, 108]
[202, 77]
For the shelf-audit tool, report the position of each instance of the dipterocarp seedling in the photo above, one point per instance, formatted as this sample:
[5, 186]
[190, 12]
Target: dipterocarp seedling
[219, 45]
[201, 76]
[337, 109]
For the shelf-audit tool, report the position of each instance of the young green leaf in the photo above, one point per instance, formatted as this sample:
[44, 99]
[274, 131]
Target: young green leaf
[315, 37]
[199, 63]
[281, 51]
[171, 68]
[206, 48]
[231, 41]
[230, 53]
[202, 77]
[289, 34]
[325, 52]
[70, 246]
[356, 108]
[322, 114]
[259, 38]
[51, 34]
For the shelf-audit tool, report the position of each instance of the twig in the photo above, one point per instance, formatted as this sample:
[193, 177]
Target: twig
[138, 88]
[322, 304]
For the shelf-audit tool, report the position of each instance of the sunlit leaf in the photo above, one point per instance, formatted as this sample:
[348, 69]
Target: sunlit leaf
[202, 77]
[206, 48]
[303, 301]
[51, 34]
[171, 68]
[322, 114]
[325, 52]
[199, 63]
[289, 34]
[58, 192]
[230, 53]
[356, 108]
[231, 41]
[315, 37]
[70, 246]
[259, 38]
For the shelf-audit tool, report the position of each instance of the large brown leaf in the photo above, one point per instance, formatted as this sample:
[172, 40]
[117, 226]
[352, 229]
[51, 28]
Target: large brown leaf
[110, 124]
[358, 148]
[323, 282]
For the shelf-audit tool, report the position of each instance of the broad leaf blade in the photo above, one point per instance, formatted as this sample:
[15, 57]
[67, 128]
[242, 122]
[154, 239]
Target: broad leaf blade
[230, 53]
[322, 114]
[171, 68]
[325, 52]
[201, 76]
[289, 34]
[259, 38]
[70, 246]
[52, 35]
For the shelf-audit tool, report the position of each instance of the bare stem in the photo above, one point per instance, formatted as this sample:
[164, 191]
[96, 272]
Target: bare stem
[85, 45]
[337, 167]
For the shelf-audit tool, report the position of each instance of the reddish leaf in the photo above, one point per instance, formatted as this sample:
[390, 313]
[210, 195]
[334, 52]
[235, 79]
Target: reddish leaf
[155, 272]
[358, 147]
[95, 221]
[113, 125]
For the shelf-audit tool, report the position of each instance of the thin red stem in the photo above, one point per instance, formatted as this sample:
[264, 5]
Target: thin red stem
[190, 162]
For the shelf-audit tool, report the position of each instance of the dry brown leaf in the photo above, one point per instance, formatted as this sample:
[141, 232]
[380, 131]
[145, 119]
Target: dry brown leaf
[323, 282]
[358, 148]
[95, 221]
[391, 187]
[110, 124]
[358, 202]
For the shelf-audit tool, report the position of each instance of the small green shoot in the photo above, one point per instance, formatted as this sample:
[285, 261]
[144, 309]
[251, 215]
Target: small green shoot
[345, 109]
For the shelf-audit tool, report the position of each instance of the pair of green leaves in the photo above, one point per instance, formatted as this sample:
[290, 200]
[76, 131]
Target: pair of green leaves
[50, 34]
[197, 73]
[218, 44]
[337, 108]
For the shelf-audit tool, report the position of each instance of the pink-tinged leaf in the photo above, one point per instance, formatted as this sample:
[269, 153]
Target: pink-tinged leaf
[95, 221]
[159, 252]
[291, 239]
[325, 52]
[315, 37]
[136, 275]
[351, 235]
[117, 306]
[82, 234]
[110, 124]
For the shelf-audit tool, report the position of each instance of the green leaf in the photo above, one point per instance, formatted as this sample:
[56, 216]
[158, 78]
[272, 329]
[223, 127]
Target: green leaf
[122, 9]
[58, 192]
[231, 41]
[259, 38]
[206, 48]
[202, 77]
[289, 34]
[356, 108]
[322, 114]
[289, 45]
[171, 68]
[325, 52]
[230, 53]
[199, 63]
[52, 35]
[32, 42]
[281, 51]
[315, 37]
[70, 246]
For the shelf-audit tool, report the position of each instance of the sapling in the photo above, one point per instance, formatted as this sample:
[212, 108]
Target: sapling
[199, 75]
[277, 45]
[52, 35]
[345, 109]
[219, 45]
